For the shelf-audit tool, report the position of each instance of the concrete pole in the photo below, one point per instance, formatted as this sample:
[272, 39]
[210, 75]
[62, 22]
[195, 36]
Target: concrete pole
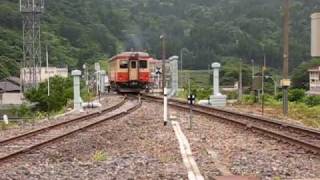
[174, 74]
[97, 82]
[217, 99]
[102, 81]
[76, 90]
[47, 69]
[216, 68]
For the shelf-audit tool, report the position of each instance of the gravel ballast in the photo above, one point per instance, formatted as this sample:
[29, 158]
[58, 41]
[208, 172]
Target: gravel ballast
[138, 146]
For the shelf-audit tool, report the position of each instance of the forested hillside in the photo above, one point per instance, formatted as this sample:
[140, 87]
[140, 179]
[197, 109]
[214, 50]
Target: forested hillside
[79, 31]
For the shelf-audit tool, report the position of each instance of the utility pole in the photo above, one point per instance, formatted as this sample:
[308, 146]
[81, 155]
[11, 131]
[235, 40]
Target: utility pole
[48, 73]
[163, 47]
[285, 81]
[240, 76]
[262, 81]
[240, 82]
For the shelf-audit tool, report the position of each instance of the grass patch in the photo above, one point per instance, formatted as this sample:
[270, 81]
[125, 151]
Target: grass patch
[309, 116]
[299, 111]
[200, 77]
[99, 156]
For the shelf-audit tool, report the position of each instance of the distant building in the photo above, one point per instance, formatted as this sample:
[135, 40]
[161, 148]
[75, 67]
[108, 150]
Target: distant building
[42, 74]
[10, 92]
[314, 81]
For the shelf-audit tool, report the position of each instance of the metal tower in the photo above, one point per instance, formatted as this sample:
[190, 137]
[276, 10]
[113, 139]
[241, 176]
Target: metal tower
[31, 66]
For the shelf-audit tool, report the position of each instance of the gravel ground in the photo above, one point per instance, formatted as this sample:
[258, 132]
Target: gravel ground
[223, 149]
[106, 102]
[136, 146]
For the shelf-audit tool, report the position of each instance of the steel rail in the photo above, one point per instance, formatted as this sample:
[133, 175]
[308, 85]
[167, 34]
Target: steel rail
[63, 135]
[255, 123]
[82, 118]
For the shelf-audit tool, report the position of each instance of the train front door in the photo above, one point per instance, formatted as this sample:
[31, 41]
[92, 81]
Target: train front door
[133, 71]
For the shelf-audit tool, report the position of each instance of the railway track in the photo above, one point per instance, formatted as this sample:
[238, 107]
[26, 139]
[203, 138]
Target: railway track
[14, 146]
[300, 136]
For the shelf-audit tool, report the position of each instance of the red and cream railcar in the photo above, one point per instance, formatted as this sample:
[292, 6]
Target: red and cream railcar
[129, 71]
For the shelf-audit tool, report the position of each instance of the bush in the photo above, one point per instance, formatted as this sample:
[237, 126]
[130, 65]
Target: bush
[307, 115]
[200, 92]
[232, 95]
[312, 100]
[249, 99]
[60, 92]
[296, 95]
[22, 111]
[271, 101]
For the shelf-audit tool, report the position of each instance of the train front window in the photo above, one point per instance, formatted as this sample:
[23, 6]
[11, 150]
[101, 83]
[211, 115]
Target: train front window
[123, 64]
[133, 64]
[143, 64]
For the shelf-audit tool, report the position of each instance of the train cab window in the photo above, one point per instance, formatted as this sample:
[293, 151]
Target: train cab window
[123, 64]
[143, 64]
[133, 64]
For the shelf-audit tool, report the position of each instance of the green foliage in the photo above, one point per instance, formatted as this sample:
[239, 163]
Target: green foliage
[248, 99]
[308, 115]
[86, 96]
[300, 78]
[296, 95]
[81, 31]
[22, 111]
[200, 92]
[232, 95]
[312, 101]
[230, 72]
[60, 92]
[271, 101]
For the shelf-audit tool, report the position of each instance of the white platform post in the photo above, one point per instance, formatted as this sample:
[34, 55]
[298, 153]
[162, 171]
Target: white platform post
[217, 99]
[5, 119]
[76, 90]
[102, 81]
[165, 106]
[174, 75]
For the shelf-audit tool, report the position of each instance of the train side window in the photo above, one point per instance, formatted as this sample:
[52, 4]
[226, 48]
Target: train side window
[123, 64]
[133, 64]
[143, 64]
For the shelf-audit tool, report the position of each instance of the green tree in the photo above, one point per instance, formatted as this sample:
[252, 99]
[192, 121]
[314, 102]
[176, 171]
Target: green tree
[300, 77]
[60, 92]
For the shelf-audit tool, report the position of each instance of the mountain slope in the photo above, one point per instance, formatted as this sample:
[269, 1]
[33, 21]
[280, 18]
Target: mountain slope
[81, 31]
